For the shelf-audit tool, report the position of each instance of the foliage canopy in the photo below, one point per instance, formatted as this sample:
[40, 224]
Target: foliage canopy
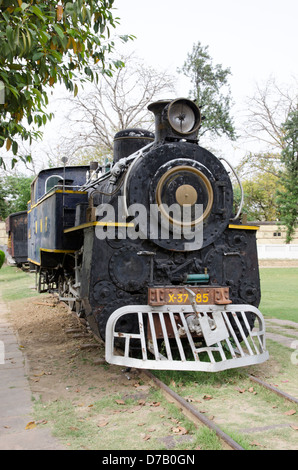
[259, 197]
[210, 91]
[288, 197]
[43, 43]
[2, 258]
[14, 194]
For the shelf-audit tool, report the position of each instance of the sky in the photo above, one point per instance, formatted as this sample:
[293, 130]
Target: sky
[256, 40]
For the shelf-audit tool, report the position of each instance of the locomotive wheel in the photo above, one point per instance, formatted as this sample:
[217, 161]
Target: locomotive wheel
[61, 286]
[63, 291]
[72, 301]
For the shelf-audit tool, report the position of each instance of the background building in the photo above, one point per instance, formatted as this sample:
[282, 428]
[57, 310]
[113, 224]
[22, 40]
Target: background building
[271, 240]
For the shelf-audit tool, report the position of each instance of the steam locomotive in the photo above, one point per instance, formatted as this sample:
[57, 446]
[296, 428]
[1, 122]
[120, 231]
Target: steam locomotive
[150, 251]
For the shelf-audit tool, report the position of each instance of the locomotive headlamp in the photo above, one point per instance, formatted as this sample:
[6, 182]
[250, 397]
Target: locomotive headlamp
[184, 116]
[177, 119]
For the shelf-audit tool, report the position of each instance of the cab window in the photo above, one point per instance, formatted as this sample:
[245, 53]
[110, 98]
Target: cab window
[52, 181]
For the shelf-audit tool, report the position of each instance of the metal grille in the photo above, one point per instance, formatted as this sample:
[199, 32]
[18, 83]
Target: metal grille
[164, 340]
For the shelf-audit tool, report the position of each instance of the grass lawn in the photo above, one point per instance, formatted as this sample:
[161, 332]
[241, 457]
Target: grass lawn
[279, 289]
[16, 284]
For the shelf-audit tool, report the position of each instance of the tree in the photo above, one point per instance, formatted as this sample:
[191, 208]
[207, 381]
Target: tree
[113, 104]
[43, 43]
[2, 258]
[268, 109]
[260, 174]
[211, 91]
[254, 162]
[288, 198]
[14, 194]
[259, 196]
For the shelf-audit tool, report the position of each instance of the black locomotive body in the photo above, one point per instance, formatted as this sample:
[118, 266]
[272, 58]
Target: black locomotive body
[151, 253]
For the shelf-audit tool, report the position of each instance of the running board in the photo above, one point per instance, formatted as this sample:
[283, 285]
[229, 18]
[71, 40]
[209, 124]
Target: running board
[171, 337]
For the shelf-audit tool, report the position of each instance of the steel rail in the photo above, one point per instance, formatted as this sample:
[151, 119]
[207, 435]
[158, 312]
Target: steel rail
[274, 389]
[193, 414]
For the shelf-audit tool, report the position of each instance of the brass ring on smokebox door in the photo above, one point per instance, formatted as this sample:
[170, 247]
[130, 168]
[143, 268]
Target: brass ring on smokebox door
[203, 179]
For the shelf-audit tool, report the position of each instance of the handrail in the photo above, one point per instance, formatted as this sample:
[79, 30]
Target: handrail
[241, 188]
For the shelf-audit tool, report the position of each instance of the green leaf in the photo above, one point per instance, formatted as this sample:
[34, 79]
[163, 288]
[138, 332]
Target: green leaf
[24, 43]
[13, 90]
[37, 92]
[37, 56]
[24, 6]
[88, 71]
[56, 55]
[15, 147]
[14, 161]
[37, 12]
[10, 36]
[44, 36]
[59, 31]
[29, 38]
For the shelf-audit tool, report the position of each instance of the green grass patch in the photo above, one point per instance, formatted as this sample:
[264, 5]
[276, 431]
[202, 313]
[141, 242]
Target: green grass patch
[106, 425]
[184, 378]
[16, 284]
[279, 289]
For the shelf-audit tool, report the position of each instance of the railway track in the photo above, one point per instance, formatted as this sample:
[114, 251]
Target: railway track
[278, 392]
[194, 415]
[200, 419]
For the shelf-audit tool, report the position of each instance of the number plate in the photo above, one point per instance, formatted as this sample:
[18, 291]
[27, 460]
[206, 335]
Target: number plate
[180, 296]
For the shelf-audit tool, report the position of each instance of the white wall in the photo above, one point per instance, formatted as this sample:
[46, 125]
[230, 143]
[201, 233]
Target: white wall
[278, 251]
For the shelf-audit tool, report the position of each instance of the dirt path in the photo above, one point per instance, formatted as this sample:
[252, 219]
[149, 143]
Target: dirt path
[67, 373]
[90, 404]
[56, 346]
